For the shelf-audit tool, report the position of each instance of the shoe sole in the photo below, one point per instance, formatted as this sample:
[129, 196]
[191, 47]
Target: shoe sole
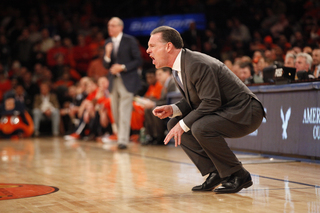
[206, 190]
[245, 185]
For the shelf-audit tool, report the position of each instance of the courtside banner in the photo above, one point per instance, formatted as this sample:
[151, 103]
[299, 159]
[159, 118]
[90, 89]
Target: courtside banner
[144, 25]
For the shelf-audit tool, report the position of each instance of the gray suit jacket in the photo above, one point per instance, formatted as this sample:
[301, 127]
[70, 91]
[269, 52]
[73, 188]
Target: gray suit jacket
[171, 87]
[211, 88]
[129, 55]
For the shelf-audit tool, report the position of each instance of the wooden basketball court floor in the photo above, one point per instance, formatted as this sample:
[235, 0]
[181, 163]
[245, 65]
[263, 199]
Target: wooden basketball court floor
[94, 177]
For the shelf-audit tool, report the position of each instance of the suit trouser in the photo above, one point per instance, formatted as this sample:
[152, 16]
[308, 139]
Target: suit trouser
[205, 144]
[121, 106]
[155, 126]
[55, 120]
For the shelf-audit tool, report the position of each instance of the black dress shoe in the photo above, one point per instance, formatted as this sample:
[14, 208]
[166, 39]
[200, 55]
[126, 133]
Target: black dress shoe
[211, 182]
[122, 146]
[237, 181]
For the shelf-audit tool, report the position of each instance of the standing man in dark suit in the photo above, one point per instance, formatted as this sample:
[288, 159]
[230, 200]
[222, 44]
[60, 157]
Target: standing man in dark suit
[122, 58]
[215, 105]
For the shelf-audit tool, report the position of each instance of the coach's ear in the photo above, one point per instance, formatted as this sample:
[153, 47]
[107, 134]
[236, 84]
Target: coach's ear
[169, 46]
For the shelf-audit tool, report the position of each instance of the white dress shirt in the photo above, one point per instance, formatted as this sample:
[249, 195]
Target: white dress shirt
[176, 111]
[116, 43]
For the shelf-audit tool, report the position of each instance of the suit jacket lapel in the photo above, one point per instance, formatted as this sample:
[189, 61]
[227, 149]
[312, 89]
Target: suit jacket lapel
[183, 76]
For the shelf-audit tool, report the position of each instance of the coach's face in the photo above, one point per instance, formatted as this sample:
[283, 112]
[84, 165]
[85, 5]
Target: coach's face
[114, 27]
[158, 50]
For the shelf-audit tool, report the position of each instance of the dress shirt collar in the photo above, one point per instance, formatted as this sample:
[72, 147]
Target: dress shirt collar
[118, 38]
[177, 63]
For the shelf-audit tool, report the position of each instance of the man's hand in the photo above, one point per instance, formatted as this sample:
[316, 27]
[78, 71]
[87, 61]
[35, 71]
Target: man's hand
[116, 68]
[149, 104]
[163, 111]
[108, 49]
[47, 113]
[175, 133]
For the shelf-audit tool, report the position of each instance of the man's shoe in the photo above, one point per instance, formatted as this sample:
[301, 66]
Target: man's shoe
[212, 181]
[237, 181]
[73, 136]
[122, 146]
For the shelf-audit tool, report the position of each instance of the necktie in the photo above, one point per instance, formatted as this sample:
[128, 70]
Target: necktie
[176, 77]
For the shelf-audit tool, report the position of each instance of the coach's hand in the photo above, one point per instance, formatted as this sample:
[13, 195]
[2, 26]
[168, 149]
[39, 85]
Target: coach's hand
[163, 111]
[175, 133]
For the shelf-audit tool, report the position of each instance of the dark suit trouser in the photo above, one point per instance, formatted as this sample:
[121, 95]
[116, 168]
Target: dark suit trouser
[155, 127]
[205, 144]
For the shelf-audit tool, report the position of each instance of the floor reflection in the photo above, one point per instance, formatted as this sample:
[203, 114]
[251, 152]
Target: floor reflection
[150, 177]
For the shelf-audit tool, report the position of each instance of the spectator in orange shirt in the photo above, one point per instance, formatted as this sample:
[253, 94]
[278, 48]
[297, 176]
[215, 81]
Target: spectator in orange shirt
[64, 80]
[154, 90]
[56, 50]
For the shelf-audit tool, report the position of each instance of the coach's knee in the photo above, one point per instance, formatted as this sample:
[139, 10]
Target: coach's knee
[197, 130]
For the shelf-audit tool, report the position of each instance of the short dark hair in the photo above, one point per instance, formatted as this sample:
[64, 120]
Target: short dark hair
[170, 34]
[166, 69]
[152, 71]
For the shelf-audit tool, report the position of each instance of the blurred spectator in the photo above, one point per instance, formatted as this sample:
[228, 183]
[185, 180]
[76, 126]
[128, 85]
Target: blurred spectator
[58, 68]
[236, 68]
[15, 120]
[88, 111]
[69, 109]
[64, 80]
[297, 40]
[70, 106]
[229, 64]
[257, 42]
[46, 75]
[30, 87]
[82, 55]
[239, 32]
[155, 127]
[46, 41]
[290, 60]
[37, 73]
[154, 87]
[279, 27]
[97, 42]
[211, 44]
[193, 37]
[23, 48]
[283, 43]
[96, 68]
[5, 83]
[315, 34]
[46, 106]
[56, 50]
[38, 56]
[20, 95]
[245, 73]
[258, 72]
[67, 43]
[5, 52]
[268, 42]
[303, 66]
[35, 35]
[269, 20]
[307, 49]
[316, 62]
[68, 31]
